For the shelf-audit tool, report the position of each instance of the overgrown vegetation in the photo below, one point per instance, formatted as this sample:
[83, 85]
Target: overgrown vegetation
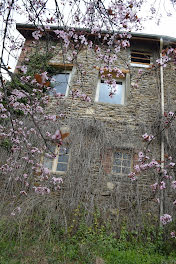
[30, 241]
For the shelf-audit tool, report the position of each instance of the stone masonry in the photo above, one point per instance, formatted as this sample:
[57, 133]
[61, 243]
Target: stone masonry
[100, 129]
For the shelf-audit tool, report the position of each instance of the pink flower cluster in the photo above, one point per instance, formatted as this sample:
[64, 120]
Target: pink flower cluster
[173, 185]
[154, 186]
[37, 34]
[173, 234]
[147, 137]
[23, 68]
[165, 219]
[78, 94]
[41, 190]
[57, 181]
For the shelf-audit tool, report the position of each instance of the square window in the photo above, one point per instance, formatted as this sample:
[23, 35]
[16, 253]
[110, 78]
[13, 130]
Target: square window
[60, 162]
[122, 162]
[107, 93]
[60, 83]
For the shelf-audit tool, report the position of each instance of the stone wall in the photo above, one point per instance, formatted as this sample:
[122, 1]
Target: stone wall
[97, 128]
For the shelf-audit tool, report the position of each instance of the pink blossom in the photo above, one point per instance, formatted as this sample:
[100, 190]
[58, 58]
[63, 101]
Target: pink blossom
[174, 202]
[24, 69]
[41, 190]
[57, 180]
[140, 154]
[144, 166]
[48, 134]
[36, 34]
[4, 116]
[162, 185]
[137, 168]
[44, 77]
[172, 164]
[25, 175]
[46, 171]
[165, 219]
[50, 117]
[173, 234]
[173, 185]
[154, 186]
[57, 135]
[150, 137]
[145, 136]
[23, 192]
[154, 163]
[132, 176]
[171, 113]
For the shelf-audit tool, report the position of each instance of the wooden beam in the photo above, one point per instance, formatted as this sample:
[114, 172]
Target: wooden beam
[65, 66]
[113, 72]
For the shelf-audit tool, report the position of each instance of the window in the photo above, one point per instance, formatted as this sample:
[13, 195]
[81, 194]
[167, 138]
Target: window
[117, 162]
[140, 58]
[60, 162]
[61, 83]
[113, 95]
[122, 162]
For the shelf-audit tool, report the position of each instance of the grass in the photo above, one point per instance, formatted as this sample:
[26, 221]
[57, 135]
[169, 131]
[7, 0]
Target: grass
[29, 244]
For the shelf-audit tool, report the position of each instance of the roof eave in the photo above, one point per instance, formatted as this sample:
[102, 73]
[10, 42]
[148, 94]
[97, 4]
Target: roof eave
[23, 28]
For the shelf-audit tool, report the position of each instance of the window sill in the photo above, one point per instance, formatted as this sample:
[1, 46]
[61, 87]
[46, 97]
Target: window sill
[58, 172]
[140, 65]
[109, 104]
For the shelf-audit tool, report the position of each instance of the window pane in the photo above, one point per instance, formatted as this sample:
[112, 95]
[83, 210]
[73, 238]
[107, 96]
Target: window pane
[61, 88]
[61, 77]
[63, 151]
[122, 162]
[61, 82]
[117, 155]
[63, 158]
[126, 163]
[126, 170]
[61, 167]
[117, 162]
[48, 163]
[127, 156]
[116, 169]
[104, 91]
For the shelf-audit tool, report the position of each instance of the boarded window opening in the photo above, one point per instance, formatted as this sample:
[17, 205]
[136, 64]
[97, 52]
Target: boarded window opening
[140, 57]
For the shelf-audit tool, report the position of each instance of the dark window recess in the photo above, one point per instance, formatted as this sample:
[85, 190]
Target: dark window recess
[140, 57]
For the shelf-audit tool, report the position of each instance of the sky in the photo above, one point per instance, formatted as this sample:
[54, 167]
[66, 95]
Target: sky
[165, 15]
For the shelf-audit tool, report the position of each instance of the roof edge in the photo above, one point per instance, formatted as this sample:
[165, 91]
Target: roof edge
[135, 35]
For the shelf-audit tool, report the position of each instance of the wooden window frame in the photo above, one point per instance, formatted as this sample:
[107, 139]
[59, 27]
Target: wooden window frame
[122, 159]
[108, 161]
[69, 80]
[122, 80]
[55, 162]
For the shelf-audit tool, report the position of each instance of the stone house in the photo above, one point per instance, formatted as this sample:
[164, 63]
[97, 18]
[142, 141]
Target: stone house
[106, 132]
